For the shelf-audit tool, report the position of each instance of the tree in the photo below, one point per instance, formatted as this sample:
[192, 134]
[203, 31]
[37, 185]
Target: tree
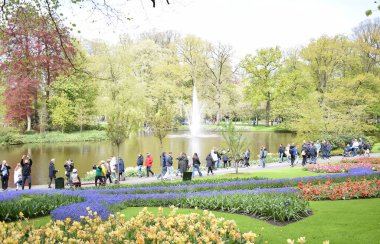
[262, 72]
[235, 143]
[62, 115]
[367, 36]
[326, 58]
[118, 129]
[33, 56]
[219, 67]
[81, 91]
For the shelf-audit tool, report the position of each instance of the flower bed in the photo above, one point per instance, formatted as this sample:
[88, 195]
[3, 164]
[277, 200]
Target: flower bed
[34, 205]
[278, 206]
[361, 160]
[144, 228]
[345, 190]
[339, 168]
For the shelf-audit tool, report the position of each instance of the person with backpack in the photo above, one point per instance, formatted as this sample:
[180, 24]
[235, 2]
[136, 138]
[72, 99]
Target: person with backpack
[5, 175]
[313, 154]
[164, 166]
[140, 163]
[209, 162]
[263, 155]
[293, 154]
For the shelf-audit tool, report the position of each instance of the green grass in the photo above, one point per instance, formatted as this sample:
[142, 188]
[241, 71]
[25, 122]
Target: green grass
[271, 173]
[90, 135]
[41, 221]
[353, 221]
[376, 148]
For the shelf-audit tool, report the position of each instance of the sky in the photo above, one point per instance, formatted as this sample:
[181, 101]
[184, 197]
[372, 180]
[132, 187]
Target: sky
[246, 25]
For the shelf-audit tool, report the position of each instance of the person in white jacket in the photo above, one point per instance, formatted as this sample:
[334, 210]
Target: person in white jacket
[113, 166]
[17, 176]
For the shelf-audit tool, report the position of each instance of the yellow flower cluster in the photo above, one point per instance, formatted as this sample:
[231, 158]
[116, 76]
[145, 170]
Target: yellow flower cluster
[144, 228]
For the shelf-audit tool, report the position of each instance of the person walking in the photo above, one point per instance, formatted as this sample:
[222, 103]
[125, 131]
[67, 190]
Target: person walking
[163, 166]
[169, 165]
[293, 154]
[313, 154]
[281, 152]
[52, 171]
[183, 163]
[148, 164]
[263, 156]
[247, 156]
[26, 164]
[5, 175]
[108, 167]
[225, 159]
[304, 157]
[209, 161]
[17, 175]
[140, 162]
[113, 169]
[318, 147]
[196, 165]
[121, 169]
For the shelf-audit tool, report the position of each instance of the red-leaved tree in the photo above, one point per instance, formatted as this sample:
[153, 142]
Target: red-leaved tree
[34, 50]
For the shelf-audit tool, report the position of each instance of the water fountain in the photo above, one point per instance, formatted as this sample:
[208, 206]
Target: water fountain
[195, 124]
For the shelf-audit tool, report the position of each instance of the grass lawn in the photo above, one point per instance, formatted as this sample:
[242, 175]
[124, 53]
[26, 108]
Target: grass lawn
[376, 148]
[271, 173]
[90, 135]
[352, 221]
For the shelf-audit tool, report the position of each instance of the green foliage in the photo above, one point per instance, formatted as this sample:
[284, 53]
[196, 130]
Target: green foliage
[62, 115]
[118, 127]
[277, 207]
[262, 70]
[72, 102]
[352, 222]
[9, 136]
[47, 137]
[33, 205]
[235, 142]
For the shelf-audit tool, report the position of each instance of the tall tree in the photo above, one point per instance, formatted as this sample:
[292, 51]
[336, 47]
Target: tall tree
[33, 54]
[262, 70]
[219, 67]
[367, 36]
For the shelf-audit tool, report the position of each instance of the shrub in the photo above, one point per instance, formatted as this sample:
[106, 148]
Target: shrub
[9, 136]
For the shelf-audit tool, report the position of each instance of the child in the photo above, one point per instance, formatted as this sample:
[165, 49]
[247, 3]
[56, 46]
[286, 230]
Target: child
[17, 176]
[75, 178]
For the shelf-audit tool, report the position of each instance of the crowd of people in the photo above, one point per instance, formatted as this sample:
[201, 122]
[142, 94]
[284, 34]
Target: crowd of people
[113, 171]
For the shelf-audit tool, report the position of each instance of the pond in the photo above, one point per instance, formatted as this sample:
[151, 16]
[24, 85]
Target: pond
[85, 154]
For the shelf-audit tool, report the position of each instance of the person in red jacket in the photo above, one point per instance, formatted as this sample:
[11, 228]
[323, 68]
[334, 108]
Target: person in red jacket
[148, 163]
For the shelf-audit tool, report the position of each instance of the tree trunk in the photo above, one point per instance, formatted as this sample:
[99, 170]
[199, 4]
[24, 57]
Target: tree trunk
[28, 123]
[267, 112]
[236, 167]
[118, 165]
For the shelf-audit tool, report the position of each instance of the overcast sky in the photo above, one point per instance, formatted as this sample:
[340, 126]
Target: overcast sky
[247, 25]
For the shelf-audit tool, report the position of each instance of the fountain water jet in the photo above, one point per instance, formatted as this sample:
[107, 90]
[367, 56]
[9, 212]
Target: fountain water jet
[195, 124]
